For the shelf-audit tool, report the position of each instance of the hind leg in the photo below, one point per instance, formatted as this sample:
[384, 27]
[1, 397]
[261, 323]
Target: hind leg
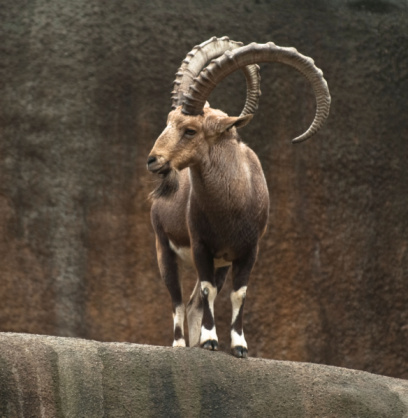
[168, 266]
[195, 308]
[241, 269]
[195, 315]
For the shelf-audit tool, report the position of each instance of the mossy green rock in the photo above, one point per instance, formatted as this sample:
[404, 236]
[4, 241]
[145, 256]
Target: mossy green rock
[66, 377]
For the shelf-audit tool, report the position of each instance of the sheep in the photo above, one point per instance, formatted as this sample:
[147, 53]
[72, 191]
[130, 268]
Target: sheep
[211, 207]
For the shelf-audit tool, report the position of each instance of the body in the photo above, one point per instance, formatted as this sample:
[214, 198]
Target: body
[228, 208]
[211, 207]
[212, 221]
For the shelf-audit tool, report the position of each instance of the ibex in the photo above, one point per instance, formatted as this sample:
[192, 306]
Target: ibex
[211, 207]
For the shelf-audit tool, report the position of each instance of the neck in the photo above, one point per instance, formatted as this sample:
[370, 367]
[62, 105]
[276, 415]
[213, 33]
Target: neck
[222, 177]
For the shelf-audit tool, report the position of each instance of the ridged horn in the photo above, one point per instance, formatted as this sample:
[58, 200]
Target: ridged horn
[199, 57]
[253, 53]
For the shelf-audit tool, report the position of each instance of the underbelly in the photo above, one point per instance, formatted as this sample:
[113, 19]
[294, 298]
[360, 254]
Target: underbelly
[185, 254]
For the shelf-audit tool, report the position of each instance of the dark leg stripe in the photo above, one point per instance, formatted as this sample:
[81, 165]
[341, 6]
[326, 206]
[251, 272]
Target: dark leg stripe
[238, 323]
[178, 333]
[208, 320]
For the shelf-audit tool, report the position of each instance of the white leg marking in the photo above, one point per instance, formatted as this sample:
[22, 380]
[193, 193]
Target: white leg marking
[212, 294]
[238, 340]
[211, 291]
[178, 321]
[208, 334]
[181, 342]
[236, 301]
[178, 317]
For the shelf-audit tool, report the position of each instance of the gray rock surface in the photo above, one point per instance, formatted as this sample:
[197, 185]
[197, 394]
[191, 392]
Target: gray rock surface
[66, 377]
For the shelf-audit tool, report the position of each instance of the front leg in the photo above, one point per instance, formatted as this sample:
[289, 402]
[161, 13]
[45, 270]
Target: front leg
[204, 263]
[208, 336]
[239, 347]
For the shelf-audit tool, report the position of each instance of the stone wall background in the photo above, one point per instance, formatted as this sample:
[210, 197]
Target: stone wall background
[84, 92]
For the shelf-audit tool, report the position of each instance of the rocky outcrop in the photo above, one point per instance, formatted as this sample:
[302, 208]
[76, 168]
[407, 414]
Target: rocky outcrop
[66, 377]
[85, 90]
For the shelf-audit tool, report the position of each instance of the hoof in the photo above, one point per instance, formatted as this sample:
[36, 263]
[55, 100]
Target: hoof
[181, 342]
[239, 351]
[210, 345]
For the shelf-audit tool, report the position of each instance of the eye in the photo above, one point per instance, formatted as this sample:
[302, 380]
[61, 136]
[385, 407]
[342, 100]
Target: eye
[189, 133]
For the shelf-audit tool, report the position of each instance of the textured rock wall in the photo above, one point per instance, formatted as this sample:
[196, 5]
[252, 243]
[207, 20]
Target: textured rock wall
[84, 91]
[55, 377]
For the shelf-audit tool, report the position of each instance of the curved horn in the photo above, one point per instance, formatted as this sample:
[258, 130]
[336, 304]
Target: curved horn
[199, 57]
[230, 61]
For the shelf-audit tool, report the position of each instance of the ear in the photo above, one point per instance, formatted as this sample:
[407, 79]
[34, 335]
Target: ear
[222, 124]
[240, 121]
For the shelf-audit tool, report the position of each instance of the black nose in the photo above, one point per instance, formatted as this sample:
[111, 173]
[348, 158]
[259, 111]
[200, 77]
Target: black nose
[151, 160]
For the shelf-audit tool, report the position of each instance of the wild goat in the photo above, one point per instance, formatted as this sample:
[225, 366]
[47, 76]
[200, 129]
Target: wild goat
[211, 208]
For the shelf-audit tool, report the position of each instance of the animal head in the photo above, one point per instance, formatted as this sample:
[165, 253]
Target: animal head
[193, 127]
[186, 139]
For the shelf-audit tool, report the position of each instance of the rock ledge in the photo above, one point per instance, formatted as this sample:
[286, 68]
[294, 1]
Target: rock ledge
[67, 377]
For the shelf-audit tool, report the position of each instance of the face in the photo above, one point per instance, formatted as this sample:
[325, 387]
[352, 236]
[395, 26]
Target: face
[179, 145]
[187, 139]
